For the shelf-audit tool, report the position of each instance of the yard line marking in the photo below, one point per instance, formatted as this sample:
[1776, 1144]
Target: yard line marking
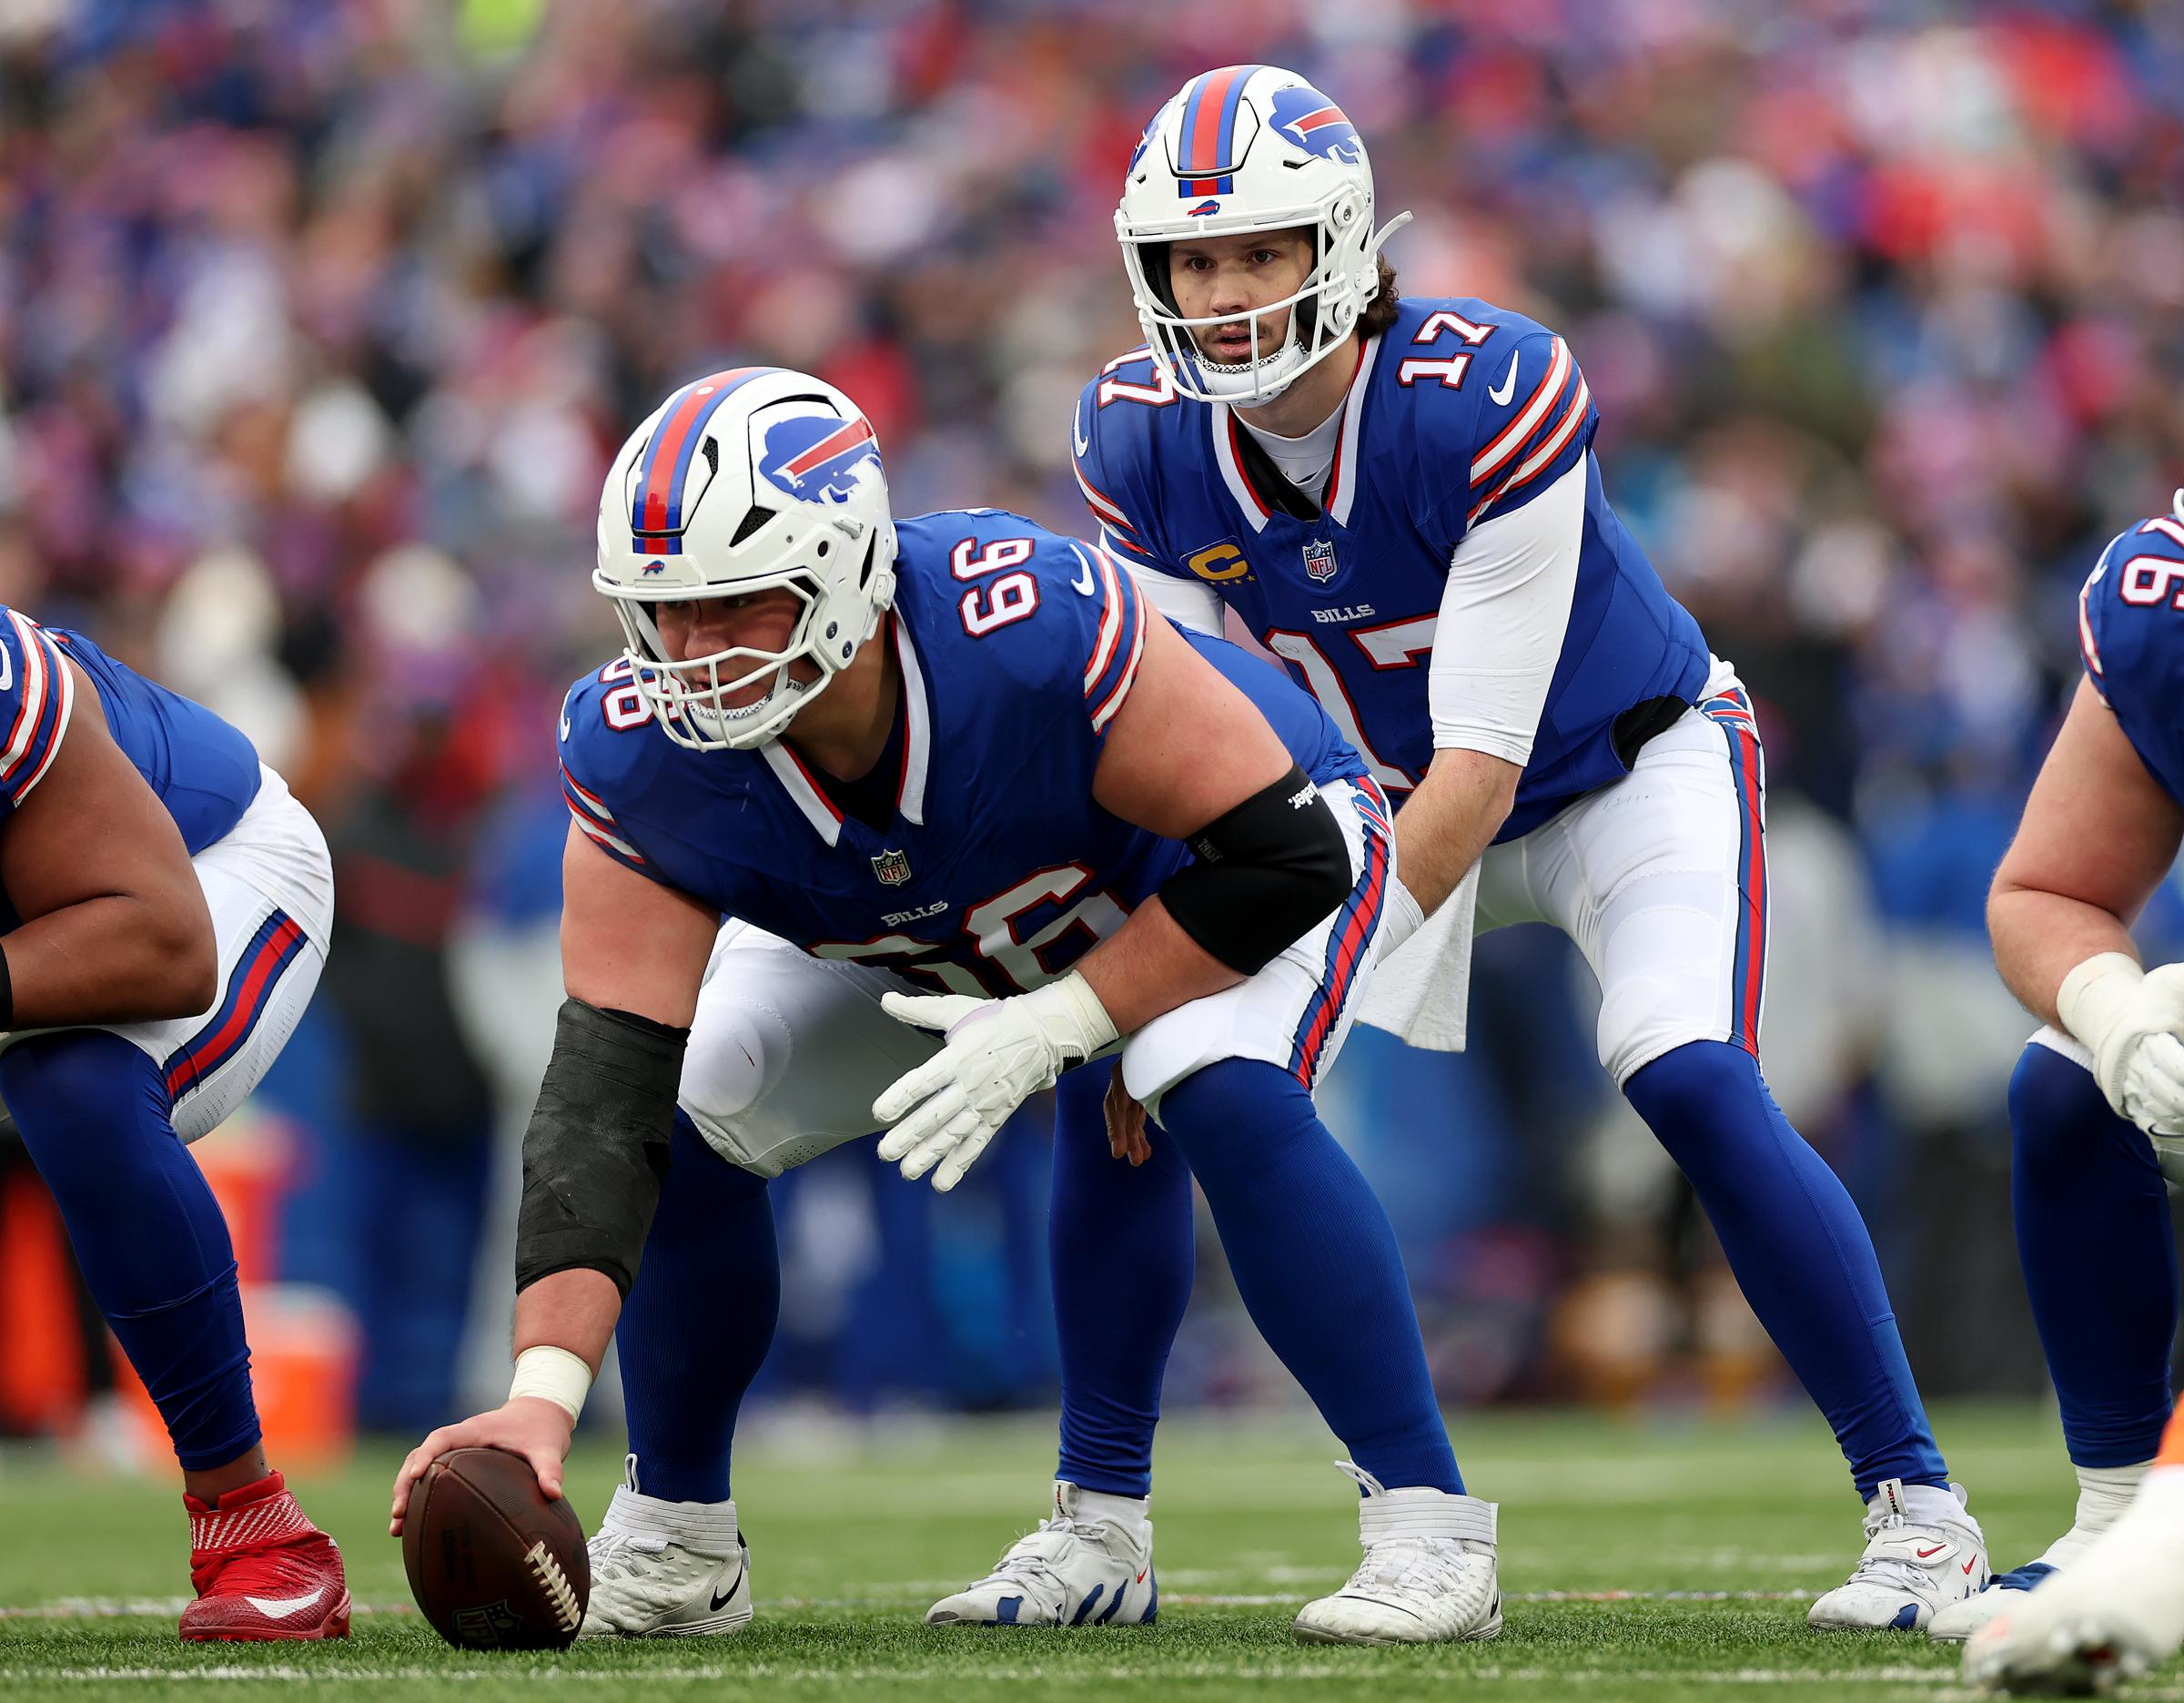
[1943, 1682]
[166, 1607]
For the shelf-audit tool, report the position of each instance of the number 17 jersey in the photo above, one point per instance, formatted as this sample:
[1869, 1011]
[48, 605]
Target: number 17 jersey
[1459, 414]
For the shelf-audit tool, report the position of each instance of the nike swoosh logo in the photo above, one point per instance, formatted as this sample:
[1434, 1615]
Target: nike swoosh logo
[564, 729]
[1968, 1568]
[721, 1599]
[1077, 429]
[1502, 392]
[1927, 1555]
[1082, 583]
[279, 1607]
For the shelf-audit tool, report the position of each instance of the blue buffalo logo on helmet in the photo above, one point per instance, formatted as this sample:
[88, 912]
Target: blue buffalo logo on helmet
[818, 458]
[1317, 125]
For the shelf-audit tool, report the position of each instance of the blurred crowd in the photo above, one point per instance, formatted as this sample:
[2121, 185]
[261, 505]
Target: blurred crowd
[318, 320]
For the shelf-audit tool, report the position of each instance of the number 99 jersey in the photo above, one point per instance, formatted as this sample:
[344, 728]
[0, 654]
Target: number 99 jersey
[2130, 632]
[974, 857]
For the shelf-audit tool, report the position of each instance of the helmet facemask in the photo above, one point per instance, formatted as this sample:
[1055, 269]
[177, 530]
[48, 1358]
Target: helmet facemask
[784, 493]
[1257, 177]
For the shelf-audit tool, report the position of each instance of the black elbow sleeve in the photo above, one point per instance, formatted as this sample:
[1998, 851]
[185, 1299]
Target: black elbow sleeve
[596, 1150]
[1266, 873]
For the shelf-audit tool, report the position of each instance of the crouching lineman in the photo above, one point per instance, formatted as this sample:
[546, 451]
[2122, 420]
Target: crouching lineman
[1399, 500]
[167, 909]
[960, 754]
[2101, 830]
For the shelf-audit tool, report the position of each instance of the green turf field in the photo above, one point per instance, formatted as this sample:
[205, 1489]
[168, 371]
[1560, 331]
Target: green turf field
[1647, 1561]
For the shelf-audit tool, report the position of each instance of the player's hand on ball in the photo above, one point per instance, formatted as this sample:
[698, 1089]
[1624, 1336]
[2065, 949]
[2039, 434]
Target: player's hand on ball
[537, 1430]
[1126, 1122]
[999, 1053]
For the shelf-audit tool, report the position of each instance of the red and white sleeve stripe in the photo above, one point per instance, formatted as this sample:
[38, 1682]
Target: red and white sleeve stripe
[45, 697]
[1536, 436]
[1117, 645]
[597, 822]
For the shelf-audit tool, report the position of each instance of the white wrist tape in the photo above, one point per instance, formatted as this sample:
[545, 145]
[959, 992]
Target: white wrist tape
[552, 1374]
[2093, 994]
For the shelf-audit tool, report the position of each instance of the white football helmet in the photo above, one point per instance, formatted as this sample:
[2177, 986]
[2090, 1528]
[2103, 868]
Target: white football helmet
[1251, 148]
[749, 479]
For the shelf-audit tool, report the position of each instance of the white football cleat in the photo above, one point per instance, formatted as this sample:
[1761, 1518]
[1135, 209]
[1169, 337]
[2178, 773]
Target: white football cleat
[666, 1569]
[1090, 1563]
[1429, 1577]
[2103, 1494]
[2116, 1612]
[1923, 1553]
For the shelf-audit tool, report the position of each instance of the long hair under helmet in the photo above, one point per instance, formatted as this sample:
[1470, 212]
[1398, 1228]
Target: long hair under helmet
[744, 481]
[1251, 148]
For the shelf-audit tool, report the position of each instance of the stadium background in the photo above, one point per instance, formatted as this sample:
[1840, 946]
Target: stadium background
[319, 320]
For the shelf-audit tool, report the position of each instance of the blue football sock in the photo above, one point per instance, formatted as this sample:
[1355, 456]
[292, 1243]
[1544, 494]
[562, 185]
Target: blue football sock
[1122, 1250]
[1799, 1250]
[2099, 1254]
[1315, 1262]
[698, 1321]
[94, 1111]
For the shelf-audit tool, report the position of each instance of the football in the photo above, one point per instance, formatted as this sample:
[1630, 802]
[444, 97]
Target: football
[492, 1562]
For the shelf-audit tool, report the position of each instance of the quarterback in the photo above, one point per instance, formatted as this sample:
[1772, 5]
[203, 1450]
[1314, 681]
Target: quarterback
[165, 914]
[950, 774]
[1398, 497]
[2097, 1114]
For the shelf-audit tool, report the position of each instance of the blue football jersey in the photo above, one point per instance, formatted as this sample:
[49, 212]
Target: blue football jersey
[2130, 631]
[1460, 412]
[995, 870]
[204, 771]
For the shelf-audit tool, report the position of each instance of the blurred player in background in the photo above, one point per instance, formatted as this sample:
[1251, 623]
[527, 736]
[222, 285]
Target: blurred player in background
[169, 908]
[1399, 499]
[961, 753]
[2101, 831]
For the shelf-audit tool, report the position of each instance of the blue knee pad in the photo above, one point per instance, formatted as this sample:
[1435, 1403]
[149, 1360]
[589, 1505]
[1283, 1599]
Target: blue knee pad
[2100, 1256]
[698, 1321]
[95, 1113]
[1800, 1252]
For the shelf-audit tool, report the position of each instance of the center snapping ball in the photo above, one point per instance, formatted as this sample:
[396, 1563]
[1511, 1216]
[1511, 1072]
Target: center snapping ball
[492, 1562]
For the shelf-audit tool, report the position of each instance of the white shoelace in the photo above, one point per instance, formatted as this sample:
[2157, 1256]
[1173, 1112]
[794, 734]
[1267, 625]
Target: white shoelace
[615, 1553]
[1423, 1563]
[1031, 1558]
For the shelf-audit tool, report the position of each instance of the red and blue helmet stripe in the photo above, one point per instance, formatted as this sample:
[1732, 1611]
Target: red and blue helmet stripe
[656, 507]
[1207, 142]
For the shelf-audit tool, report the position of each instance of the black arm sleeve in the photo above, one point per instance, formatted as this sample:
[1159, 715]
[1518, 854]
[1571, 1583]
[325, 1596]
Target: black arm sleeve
[1267, 872]
[596, 1150]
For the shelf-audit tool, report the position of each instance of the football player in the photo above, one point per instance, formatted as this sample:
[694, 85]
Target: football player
[2095, 1112]
[960, 754]
[1399, 500]
[166, 906]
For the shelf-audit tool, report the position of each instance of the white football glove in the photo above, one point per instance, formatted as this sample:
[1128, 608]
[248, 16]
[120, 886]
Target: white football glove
[2132, 1021]
[1000, 1052]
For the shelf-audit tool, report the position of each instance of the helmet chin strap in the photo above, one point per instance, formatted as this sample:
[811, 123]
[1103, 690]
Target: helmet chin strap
[1251, 382]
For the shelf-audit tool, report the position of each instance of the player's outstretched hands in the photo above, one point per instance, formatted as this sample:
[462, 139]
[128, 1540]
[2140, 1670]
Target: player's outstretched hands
[538, 1430]
[999, 1053]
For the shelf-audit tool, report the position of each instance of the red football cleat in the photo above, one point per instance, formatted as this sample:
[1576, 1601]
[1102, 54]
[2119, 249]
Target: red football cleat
[262, 1570]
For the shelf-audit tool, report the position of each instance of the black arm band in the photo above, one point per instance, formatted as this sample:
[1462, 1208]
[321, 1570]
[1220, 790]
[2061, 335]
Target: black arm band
[597, 1146]
[1267, 872]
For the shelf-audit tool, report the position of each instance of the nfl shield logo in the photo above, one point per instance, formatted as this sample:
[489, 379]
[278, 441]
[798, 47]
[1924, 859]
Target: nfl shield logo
[1319, 560]
[892, 867]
